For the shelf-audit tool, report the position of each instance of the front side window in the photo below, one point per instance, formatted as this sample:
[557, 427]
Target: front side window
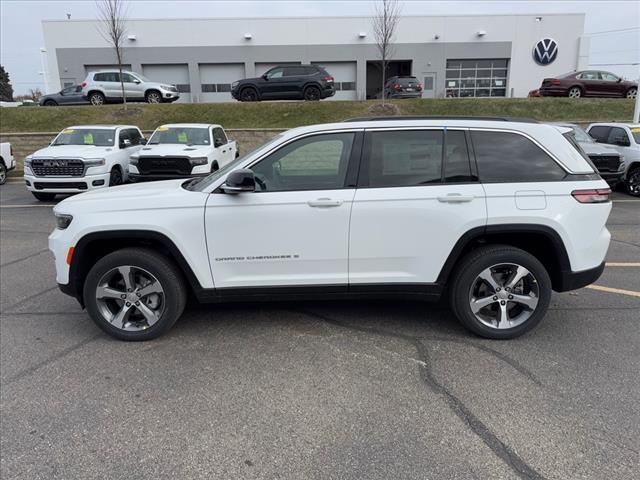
[403, 158]
[179, 135]
[608, 77]
[312, 163]
[505, 157]
[600, 133]
[219, 137]
[127, 78]
[69, 90]
[134, 136]
[99, 137]
[275, 73]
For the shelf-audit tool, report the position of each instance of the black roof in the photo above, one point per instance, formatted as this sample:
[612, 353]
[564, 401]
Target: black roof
[441, 117]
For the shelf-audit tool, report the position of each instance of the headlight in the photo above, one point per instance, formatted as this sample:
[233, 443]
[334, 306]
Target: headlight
[167, 87]
[63, 221]
[28, 159]
[198, 161]
[93, 162]
[133, 159]
[235, 84]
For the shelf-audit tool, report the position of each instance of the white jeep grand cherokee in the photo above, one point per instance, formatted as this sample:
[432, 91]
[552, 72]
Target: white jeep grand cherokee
[494, 212]
[82, 158]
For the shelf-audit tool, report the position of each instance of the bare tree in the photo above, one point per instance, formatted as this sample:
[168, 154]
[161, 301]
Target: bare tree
[385, 21]
[112, 14]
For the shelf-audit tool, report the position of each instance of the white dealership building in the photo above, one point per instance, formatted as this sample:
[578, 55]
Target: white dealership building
[496, 55]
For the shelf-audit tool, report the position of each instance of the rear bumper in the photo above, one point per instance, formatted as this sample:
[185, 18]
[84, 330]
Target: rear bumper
[553, 92]
[405, 95]
[570, 280]
[328, 92]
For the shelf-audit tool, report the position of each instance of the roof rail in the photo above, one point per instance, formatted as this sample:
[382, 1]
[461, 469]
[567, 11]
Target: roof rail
[441, 117]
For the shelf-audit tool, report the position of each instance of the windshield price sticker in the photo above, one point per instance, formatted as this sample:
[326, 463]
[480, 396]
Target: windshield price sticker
[182, 137]
[88, 138]
[163, 129]
[68, 131]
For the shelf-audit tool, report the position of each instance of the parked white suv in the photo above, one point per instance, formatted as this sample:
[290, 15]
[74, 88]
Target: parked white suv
[82, 158]
[625, 138]
[182, 150]
[497, 214]
[7, 161]
[105, 86]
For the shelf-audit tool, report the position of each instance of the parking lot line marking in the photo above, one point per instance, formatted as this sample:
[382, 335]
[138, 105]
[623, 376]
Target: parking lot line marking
[627, 201]
[630, 293]
[622, 264]
[28, 206]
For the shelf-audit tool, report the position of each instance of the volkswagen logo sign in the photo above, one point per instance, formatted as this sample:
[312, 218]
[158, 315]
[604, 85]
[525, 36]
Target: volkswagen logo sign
[545, 51]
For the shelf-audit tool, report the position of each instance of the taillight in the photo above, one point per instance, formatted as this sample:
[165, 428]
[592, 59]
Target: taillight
[601, 195]
[83, 84]
[327, 78]
[555, 81]
[419, 87]
[396, 86]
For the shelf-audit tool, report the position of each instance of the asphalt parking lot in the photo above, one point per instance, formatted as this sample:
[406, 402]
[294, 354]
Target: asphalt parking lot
[331, 390]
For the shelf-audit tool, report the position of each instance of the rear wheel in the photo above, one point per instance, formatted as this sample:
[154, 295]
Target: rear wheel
[312, 93]
[115, 177]
[3, 173]
[575, 92]
[96, 98]
[50, 103]
[153, 97]
[249, 95]
[500, 292]
[214, 167]
[633, 182]
[43, 196]
[134, 294]
[632, 93]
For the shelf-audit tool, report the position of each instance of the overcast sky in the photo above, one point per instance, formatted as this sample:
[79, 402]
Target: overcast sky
[21, 29]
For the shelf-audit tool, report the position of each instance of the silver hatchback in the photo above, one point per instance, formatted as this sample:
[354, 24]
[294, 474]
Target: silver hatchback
[104, 86]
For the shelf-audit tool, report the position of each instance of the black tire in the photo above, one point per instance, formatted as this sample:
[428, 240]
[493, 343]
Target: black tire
[575, 92]
[633, 182]
[115, 177]
[632, 93]
[249, 94]
[44, 196]
[50, 103]
[466, 274]
[153, 96]
[167, 274]
[3, 173]
[311, 93]
[214, 167]
[96, 98]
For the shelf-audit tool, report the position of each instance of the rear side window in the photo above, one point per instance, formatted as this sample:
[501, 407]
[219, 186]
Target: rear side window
[600, 133]
[404, 158]
[504, 157]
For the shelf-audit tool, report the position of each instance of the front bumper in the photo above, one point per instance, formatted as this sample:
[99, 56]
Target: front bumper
[66, 184]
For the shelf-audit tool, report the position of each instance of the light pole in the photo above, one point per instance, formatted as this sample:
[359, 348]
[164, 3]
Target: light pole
[45, 77]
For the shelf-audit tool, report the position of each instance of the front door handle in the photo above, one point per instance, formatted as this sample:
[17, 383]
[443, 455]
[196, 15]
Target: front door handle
[455, 198]
[324, 203]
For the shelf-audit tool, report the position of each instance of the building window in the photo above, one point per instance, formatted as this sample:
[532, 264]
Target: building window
[183, 87]
[348, 86]
[476, 78]
[216, 87]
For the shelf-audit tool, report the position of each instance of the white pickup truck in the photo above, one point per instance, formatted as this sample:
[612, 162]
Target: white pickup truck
[82, 158]
[183, 150]
[7, 161]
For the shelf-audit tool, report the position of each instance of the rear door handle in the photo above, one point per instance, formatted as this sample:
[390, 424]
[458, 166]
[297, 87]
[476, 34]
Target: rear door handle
[324, 203]
[455, 198]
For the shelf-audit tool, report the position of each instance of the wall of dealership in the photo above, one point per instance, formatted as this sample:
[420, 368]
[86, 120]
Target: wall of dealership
[204, 56]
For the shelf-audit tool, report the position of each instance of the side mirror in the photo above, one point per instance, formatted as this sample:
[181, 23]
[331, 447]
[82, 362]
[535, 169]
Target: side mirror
[622, 141]
[125, 143]
[619, 80]
[241, 180]
[137, 82]
[264, 76]
[143, 141]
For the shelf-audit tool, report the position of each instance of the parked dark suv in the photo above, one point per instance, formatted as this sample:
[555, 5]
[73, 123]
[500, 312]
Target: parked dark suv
[589, 83]
[403, 87]
[287, 82]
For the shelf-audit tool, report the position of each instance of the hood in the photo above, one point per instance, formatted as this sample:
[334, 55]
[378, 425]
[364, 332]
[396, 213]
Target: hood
[137, 196]
[174, 149]
[598, 149]
[67, 151]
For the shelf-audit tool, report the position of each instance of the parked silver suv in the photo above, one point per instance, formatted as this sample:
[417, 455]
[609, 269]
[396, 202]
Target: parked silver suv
[104, 86]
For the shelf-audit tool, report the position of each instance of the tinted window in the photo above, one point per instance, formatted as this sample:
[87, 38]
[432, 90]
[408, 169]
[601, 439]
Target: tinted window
[608, 77]
[600, 133]
[403, 158]
[275, 73]
[134, 136]
[294, 71]
[312, 163]
[618, 136]
[456, 166]
[107, 77]
[128, 78]
[219, 137]
[124, 135]
[310, 70]
[509, 157]
[68, 90]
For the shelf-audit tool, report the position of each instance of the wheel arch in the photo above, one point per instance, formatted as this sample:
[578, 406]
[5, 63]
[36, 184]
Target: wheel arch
[539, 240]
[96, 245]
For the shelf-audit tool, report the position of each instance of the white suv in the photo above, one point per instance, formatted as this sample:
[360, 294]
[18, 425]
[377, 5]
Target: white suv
[82, 158]
[496, 213]
[105, 86]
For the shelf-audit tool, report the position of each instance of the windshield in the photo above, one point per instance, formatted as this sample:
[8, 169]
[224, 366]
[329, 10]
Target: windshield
[99, 137]
[635, 131]
[581, 135]
[180, 135]
[203, 183]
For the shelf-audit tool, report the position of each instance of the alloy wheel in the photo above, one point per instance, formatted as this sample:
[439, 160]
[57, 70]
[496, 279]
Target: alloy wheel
[248, 95]
[504, 296]
[3, 174]
[632, 93]
[130, 298]
[97, 99]
[153, 97]
[312, 93]
[115, 178]
[575, 92]
[633, 183]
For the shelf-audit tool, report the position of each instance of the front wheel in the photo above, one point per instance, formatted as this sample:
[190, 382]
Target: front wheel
[633, 182]
[134, 294]
[115, 177]
[3, 173]
[500, 292]
[248, 95]
[43, 196]
[154, 97]
[632, 93]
